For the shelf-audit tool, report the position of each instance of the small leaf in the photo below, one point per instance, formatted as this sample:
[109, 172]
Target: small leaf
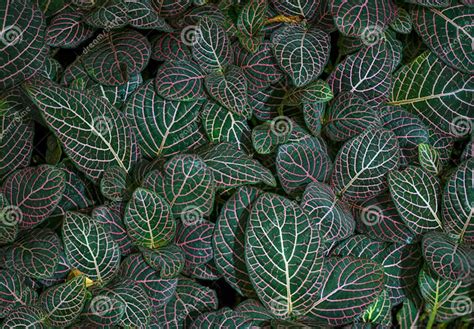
[429, 159]
[195, 240]
[167, 261]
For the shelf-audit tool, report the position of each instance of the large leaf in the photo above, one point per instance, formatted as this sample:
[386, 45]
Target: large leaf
[229, 239]
[416, 195]
[162, 126]
[149, 220]
[349, 287]
[211, 46]
[457, 204]
[94, 134]
[446, 258]
[362, 164]
[445, 104]
[36, 253]
[283, 255]
[223, 318]
[34, 192]
[131, 53]
[365, 73]
[23, 48]
[327, 214]
[301, 53]
[448, 33]
[89, 248]
[63, 303]
[250, 21]
[180, 81]
[357, 17]
[231, 167]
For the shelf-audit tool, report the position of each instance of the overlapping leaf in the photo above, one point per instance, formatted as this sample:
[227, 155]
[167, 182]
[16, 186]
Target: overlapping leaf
[301, 53]
[24, 316]
[23, 48]
[362, 164]
[162, 126]
[429, 159]
[149, 220]
[14, 292]
[34, 192]
[89, 248]
[231, 167]
[68, 30]
[131, 53]
[457, 203]
[94, 134]
[448, 33]
[445, 104]
[195, 240]
[416, 195]
[167, 261]
[283, 255]
[229, 239]
[305, 8]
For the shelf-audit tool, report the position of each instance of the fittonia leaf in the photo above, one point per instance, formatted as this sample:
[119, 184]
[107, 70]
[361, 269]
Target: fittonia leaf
[240, 164]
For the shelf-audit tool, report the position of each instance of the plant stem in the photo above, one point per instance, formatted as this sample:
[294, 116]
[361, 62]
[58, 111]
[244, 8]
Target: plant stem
[283, 19]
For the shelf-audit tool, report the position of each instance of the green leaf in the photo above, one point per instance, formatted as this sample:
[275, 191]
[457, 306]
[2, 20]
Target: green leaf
[114, 184]
[230, 90]
[36, 253]
[189, 300]
[416, 195]
[303, 8]
[149, 220]
[14, 292]
[94, 134]
[222, 125]
[68, 30]
[111, 218]
[33, 193]
[410, 313]
[349, 287]
[444, 300]
[211, 46]
[23, 50]
[447, 32]
[362, 163]
[266, 137]
[402, 23]
[24, 317]
[251, 20]
[457, 203]
[445, 257]
[444, 104]
[167, 261]
[180, 81]
[365, 73]
[223, 318]
[317, 91]
[348, 116]
[229, 239]
[195, 240]
[131, 53]
[89, 248]
[379, 311]
[429, 159]
[176, 130]
[158, 290]
[231, 167]
[142, 15]
[300, 163]
[328, 215]
[283, 255]
[63, 303]
[169, 47]
[301, 53]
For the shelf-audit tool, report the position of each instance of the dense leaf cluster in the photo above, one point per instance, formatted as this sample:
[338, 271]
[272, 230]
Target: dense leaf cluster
[236, 164]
